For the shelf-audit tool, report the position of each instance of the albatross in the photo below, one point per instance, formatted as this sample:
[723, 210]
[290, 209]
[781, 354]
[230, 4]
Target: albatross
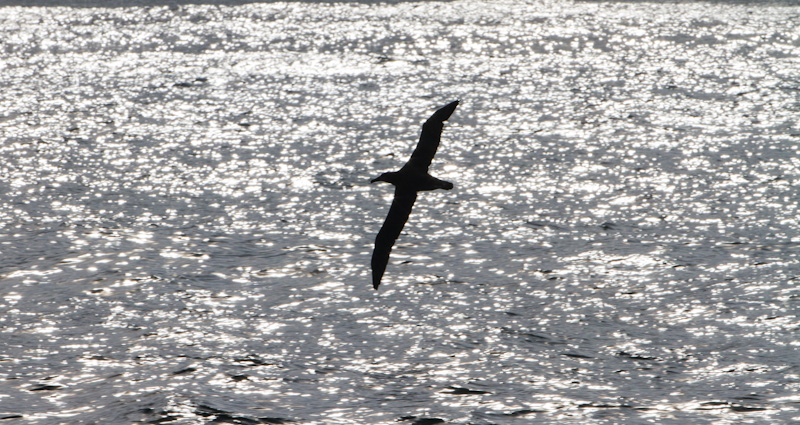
[412, 178]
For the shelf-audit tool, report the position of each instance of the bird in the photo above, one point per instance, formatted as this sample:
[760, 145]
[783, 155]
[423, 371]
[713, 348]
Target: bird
[412, 178]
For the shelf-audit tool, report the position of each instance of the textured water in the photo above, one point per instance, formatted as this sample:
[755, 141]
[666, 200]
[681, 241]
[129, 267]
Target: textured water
[186, 220]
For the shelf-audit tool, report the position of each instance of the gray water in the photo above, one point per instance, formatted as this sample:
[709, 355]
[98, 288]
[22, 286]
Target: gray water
[186, 219]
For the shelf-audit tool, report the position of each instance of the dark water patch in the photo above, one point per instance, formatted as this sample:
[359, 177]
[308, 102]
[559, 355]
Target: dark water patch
[185, 371]
[733, 407]
[742, 408]
[421, 421]
[275, 420]
[253, 360]
[522, 412]
[464, 391]
[165, 419]
[223, 417]
[45, 387]
[529, 337]
[606, 406]
[634, 356]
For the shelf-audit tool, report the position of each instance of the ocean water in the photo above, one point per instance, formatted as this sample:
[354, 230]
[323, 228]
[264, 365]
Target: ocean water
[186, 219]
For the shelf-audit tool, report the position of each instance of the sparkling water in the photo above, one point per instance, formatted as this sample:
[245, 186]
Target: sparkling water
[186, 219]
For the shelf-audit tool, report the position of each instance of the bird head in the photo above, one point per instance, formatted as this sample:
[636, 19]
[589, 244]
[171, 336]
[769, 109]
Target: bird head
[385, 177]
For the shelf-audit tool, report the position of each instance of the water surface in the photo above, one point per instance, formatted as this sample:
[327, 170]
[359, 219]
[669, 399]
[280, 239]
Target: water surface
[186, 220]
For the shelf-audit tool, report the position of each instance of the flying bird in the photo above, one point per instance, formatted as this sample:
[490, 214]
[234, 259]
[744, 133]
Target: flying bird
[412, 178]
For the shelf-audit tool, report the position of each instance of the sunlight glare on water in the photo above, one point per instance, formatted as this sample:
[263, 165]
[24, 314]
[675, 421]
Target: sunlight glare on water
[187, 222]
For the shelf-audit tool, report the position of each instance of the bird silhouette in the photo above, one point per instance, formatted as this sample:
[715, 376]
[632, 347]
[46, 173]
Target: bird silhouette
[412, 178]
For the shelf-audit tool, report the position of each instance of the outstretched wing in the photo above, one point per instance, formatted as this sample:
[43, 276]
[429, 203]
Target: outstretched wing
[398, 215]
[431, 134]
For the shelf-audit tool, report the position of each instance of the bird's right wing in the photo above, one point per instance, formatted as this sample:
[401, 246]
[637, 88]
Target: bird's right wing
[431, 135]
[398, 215]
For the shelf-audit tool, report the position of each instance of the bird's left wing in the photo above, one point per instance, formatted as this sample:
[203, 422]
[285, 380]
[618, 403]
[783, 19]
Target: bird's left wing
[431, 135]
[398, 215]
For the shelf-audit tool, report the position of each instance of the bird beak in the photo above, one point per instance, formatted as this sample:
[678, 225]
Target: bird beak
[374, 180]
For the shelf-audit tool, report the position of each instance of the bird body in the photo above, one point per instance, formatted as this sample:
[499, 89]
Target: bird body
[409, 180]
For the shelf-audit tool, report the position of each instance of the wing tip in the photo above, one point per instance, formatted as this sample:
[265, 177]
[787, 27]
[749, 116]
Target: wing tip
[443, 113]
[377, 273]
